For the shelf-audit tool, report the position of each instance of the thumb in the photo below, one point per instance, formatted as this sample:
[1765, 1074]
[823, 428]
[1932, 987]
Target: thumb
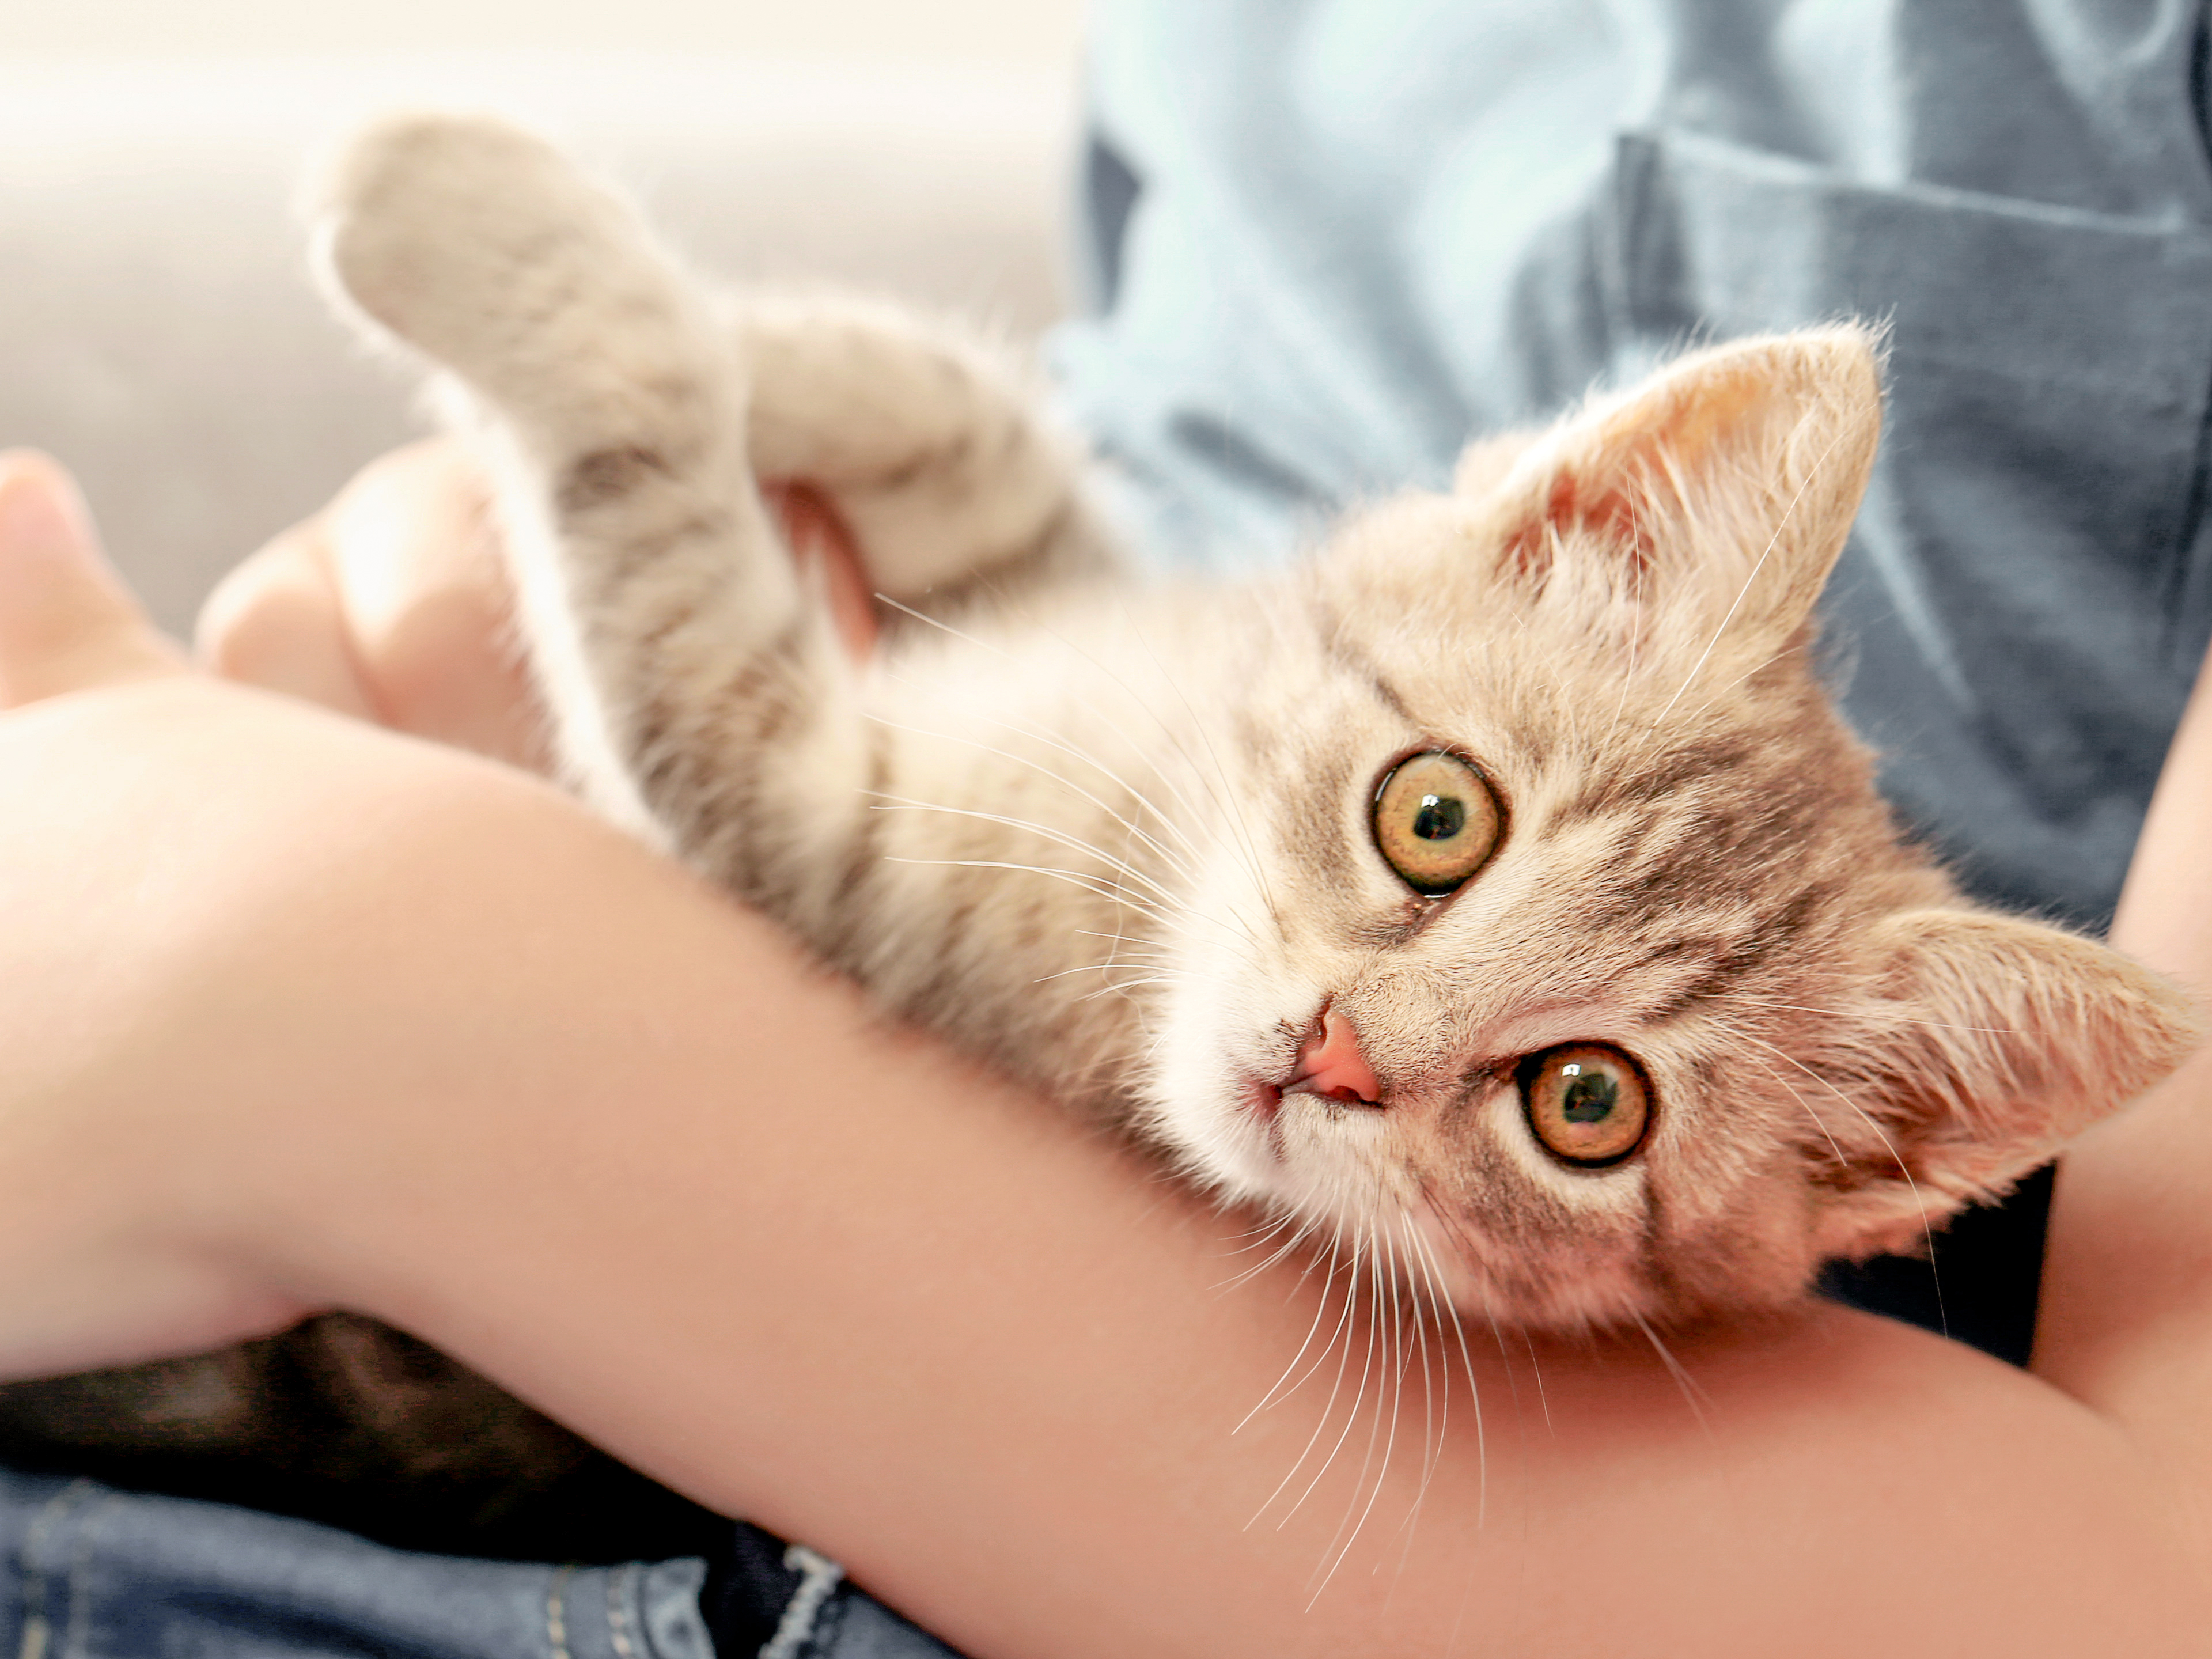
[66, 622]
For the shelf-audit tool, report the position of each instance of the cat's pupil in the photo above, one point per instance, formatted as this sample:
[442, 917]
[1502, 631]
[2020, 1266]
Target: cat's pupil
[1440, 817]
[1590, 1095]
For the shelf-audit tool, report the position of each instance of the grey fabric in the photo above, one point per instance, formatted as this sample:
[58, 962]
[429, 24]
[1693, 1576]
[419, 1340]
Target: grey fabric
[1366, 229]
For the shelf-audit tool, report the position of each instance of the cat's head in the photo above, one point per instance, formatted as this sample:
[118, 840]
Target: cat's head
[1578, 956]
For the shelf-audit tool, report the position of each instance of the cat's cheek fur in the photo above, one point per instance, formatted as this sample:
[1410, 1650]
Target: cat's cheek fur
[1203, 1095]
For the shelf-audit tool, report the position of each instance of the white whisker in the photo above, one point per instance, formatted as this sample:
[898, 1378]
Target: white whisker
[1165, 854]
[1385, 1405]
[1083, 878]
[1121, 986]
[1683, 1380]
[1343, 1364]
[1108, 966]
[1059, 837]
[1351, 1412]
[943, 627]
[1467, 1365]
[1228, 809]
[1234, 808]
[1053, 741]
[1536, 1370]
[1819, 1122]
[1298, 1231]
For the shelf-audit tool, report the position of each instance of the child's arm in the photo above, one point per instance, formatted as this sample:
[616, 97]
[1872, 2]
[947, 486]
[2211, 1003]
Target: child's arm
[2126, 1322]
[302, 1014]
[391, 604]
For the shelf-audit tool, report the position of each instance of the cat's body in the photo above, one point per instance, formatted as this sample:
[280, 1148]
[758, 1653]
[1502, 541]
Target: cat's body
[1497, 892]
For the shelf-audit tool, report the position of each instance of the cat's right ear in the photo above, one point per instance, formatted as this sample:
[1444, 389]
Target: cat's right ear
[1716, 494]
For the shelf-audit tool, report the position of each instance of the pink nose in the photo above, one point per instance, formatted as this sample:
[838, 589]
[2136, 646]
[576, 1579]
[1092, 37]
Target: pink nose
[1330, 1064]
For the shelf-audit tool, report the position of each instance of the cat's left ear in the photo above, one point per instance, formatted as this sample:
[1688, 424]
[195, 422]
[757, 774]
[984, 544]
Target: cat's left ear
[1992, 1041]
[1718, 492]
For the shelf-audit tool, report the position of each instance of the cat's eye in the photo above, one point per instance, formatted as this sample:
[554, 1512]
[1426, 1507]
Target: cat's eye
[1436, 821]
[1587, 1103]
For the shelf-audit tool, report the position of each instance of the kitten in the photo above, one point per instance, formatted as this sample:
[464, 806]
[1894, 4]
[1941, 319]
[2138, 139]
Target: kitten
[1501, 882]
[1498, 892]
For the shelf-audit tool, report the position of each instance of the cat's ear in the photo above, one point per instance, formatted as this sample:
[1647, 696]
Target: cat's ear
[1718, 491]
[1992, 1040]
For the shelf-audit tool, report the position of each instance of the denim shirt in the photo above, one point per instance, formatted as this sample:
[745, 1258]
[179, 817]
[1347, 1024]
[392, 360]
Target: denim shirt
[1332, 239]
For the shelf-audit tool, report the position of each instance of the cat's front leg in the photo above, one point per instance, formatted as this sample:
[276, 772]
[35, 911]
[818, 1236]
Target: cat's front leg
[694, 681]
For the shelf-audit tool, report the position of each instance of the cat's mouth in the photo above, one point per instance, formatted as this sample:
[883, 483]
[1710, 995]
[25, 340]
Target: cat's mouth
[1264, 1100]
[1327, 1065]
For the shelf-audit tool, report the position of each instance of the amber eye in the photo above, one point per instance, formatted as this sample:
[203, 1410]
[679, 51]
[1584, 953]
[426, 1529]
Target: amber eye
[1436, 821]
[1587, 1103]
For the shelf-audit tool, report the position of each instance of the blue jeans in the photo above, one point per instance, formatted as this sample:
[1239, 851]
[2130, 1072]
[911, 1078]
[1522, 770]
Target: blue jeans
[89, 1572]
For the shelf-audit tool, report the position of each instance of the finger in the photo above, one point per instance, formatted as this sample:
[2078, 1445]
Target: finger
[66, 622]
[277, 621]
[422, 582]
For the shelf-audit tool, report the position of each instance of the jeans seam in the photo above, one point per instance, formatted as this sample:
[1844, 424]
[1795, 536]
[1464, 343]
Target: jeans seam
[621, 1586]
[37, 1629]
[820, 1577]
[556, 1613]
[103, 1504]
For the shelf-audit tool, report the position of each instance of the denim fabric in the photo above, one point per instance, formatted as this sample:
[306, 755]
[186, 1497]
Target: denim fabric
[90, 1572]
[784, 1602]
[94, 1573]
[1341, 236]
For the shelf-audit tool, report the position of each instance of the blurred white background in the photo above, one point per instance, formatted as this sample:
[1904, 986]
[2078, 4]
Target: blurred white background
[1038, 33]
[158, 329]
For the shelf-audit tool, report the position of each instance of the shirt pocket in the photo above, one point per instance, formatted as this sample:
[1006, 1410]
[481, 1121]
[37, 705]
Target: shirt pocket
[2016, 591]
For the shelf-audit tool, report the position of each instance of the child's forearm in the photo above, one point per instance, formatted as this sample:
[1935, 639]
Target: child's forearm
[412, 1034]
[2126, 1323]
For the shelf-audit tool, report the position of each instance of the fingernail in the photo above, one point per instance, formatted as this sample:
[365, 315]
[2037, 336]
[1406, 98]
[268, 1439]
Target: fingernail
[38, 506]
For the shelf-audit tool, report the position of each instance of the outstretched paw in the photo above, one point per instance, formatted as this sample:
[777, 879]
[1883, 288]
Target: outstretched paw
[489, 251]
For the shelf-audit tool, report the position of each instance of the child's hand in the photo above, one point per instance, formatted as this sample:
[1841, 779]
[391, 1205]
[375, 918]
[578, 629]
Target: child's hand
[392, 604]
[66, 621]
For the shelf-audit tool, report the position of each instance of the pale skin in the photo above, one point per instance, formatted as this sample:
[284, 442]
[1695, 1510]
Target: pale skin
[305, 1013]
